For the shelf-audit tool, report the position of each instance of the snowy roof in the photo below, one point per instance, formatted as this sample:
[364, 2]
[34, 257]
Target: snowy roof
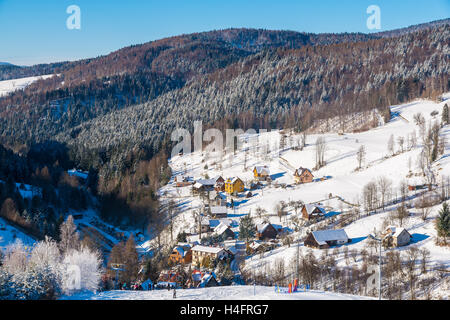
[221, 228]
[262, 170]
[78, 173]
[219, 210]
[329, 235]
[182, 250]
[395, 232]
[206, 182]
[301, 170]
[198, 185]
[206, 278]
[262, 227]
[214, 250]
[311, 207]
[233, 179]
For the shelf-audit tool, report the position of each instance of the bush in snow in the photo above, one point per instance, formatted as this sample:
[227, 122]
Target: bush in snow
[16, 258]
[6, 285]
[82, 270]
[37, 283]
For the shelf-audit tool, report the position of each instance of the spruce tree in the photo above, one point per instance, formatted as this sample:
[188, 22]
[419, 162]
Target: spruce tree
[443, 222]
[247, 228]
[131, 260]
[445, 115]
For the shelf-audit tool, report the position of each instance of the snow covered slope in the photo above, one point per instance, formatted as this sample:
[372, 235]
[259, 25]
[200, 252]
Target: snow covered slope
[9, 86]
[9, 235]
[342, 181]
[215, 293]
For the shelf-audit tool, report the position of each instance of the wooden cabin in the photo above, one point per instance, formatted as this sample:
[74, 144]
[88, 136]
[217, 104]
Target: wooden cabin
[182, 181]
[234, 185]
[266, 231]
[303, 175]
[181, 255]
[261, 172]
[219, 212]
[326, 238]
[219, 185]
[224, 231]
[203, 185]
[396, 237]
[311, 212]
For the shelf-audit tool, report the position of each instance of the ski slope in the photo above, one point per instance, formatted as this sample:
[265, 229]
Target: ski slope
[8, 86]
[215, 293]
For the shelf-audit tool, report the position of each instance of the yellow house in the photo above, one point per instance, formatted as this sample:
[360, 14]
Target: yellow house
[234, 185]
[261, 172]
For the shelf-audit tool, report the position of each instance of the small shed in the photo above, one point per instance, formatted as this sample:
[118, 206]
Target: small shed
[326, 238]
[266, 231]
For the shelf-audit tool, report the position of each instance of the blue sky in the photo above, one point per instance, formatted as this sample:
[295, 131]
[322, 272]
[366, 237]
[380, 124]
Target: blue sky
[35, 31]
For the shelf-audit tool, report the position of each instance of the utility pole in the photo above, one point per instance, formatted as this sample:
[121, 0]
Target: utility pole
[379, 265]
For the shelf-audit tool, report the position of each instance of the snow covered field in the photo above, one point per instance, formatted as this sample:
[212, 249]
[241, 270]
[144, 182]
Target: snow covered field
[9, 235]
[9, 86]
[342, 181]
[215, 293]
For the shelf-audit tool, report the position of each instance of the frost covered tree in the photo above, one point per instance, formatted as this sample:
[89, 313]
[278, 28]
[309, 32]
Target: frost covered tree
[320, 152]
[69, 236]
[16, 257]
[82, 270]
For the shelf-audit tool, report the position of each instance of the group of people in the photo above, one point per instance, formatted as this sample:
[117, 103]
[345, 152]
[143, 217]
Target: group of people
[138, 287]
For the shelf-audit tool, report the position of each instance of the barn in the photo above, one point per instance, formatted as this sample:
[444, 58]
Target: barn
[326, 238]
[266, 231]
[310, 211]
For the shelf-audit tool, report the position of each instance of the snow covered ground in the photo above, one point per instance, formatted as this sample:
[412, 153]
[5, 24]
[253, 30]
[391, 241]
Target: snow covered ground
[10, 234]
[215, 293]
[342, 181]
[8, 86]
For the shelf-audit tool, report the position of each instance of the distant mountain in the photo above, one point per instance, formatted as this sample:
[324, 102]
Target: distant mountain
[414, 28]
[5, 64]
[133, 97]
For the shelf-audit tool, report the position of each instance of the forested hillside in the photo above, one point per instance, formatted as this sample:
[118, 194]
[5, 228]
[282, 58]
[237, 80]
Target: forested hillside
[284, 88]
[112, 115]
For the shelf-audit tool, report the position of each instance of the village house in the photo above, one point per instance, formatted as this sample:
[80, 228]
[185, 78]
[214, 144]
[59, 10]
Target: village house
[181, 254]
[224, 231]
[311, 211]
[219, 212]
[208, 280]
[303, 175]
[199, 279]
[326, 238]
[216, 199]
[199, 253]
[169, 278]
[261, 172]
[182, 181]
[203, 185]
[219, 185]
[396, 237]
[234, 185]
[266, 231]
